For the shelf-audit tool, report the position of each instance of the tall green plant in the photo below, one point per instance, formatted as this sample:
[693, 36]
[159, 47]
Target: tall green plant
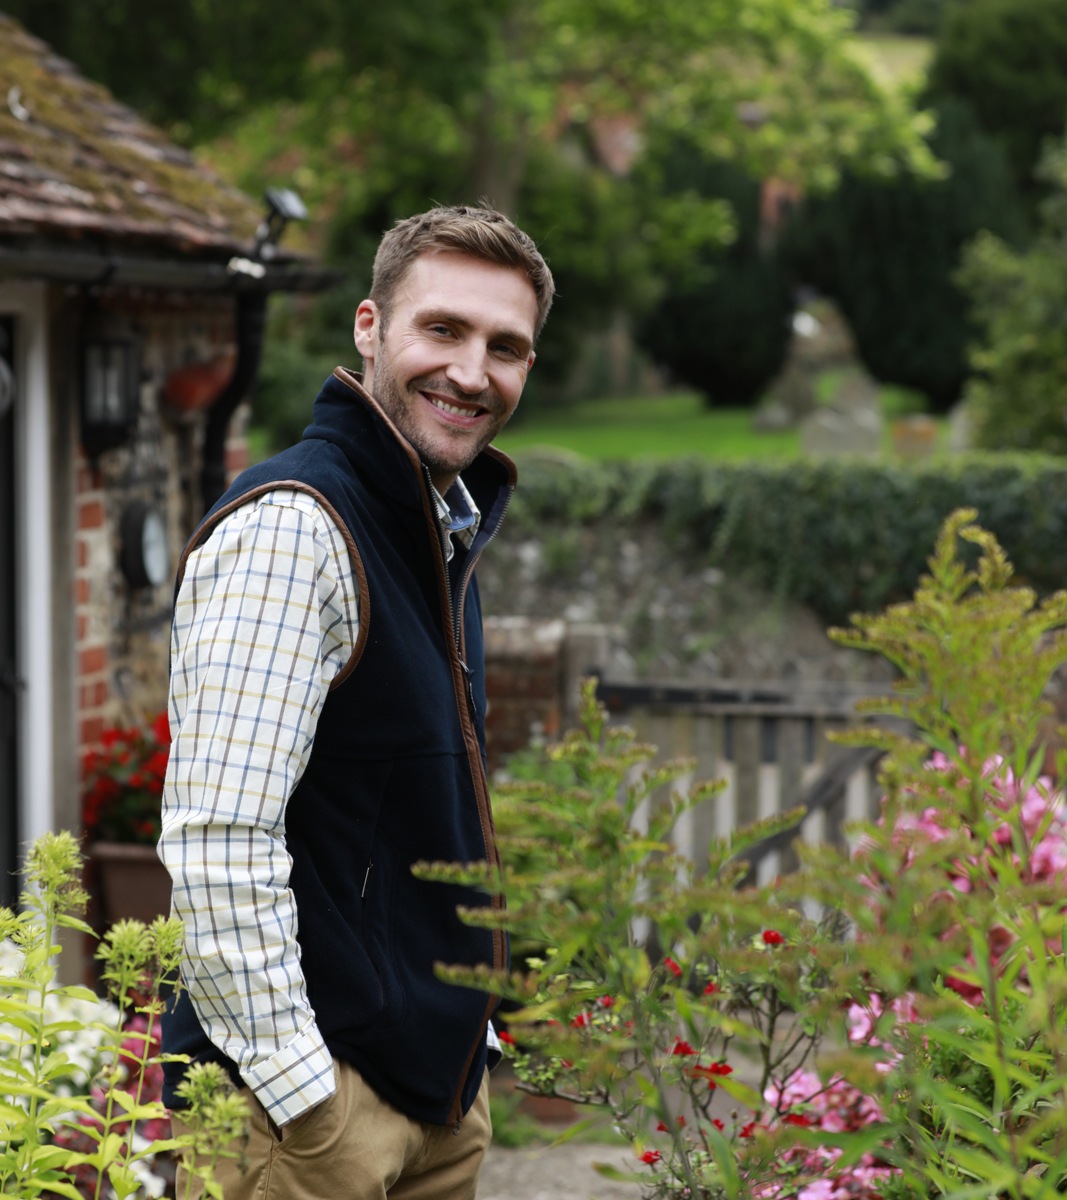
[36, 1111]
[903, 1039]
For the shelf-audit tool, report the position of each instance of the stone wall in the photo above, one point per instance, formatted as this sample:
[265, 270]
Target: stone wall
[121, 633]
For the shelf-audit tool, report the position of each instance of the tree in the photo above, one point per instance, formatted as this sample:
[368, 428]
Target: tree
[888, 250]
[1007, 59]
[1017, 396]
[723, 325]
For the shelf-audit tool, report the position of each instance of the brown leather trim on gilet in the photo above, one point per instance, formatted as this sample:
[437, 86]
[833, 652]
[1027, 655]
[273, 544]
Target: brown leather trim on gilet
[204, 530]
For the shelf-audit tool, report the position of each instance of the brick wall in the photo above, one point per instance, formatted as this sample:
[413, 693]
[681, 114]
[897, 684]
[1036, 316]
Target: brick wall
[92, 567]
[122, 634]
[524, 673]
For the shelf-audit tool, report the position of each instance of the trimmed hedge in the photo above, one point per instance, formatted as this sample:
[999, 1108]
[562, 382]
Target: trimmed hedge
[839, 536]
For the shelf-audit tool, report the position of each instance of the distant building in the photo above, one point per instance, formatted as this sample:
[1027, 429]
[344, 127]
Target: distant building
[132, 293]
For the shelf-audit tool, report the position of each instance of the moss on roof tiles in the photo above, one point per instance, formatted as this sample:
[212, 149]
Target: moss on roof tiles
[80, 161]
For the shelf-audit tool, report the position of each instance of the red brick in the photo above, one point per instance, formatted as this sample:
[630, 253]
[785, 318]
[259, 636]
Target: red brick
[81, 627]
[81, 552]
[99, 693]
[90, 731]
[90, 515]
[92, 660]
[81, 591]
[236, 457]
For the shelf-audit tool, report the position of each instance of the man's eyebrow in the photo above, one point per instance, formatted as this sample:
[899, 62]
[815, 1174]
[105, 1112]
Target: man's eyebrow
[432, 315]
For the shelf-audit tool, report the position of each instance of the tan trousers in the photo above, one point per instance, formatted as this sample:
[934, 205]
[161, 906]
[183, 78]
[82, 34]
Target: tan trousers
[355, 1146]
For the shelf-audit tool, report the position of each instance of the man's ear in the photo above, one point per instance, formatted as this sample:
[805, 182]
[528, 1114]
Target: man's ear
[530, 362]
[367, 326]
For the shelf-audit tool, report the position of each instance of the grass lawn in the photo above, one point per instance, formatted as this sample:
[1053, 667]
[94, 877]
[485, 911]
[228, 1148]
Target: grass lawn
[668, 426]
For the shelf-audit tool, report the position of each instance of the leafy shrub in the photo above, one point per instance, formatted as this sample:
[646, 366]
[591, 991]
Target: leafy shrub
[723, 326]
[907, 1043]
[80, 1114]
[1018, 299]
[1007, 59]
[887, 250]
[122, 784]
[839, 536]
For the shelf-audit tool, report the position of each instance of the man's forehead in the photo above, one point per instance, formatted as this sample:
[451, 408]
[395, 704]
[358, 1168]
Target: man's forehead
[479, 289]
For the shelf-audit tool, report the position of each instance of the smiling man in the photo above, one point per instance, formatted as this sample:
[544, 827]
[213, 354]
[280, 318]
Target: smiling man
[327, 709]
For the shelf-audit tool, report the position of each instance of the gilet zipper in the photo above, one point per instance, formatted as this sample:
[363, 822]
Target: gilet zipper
[455, 616]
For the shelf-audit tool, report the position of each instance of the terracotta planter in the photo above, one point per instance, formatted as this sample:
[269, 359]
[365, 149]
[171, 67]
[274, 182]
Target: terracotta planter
[133, 882]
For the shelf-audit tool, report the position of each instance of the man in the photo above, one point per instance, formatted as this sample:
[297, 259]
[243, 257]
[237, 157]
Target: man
[327, 709]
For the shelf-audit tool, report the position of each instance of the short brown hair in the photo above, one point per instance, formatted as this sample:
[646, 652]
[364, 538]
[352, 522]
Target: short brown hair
[481, 232]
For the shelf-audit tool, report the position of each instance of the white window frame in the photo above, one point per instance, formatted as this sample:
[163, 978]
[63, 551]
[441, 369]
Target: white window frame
[26, 301]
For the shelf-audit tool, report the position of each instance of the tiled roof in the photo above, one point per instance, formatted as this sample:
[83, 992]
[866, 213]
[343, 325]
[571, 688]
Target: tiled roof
[75, 162]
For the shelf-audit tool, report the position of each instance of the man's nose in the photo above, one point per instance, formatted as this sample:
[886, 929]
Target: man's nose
[467, 370]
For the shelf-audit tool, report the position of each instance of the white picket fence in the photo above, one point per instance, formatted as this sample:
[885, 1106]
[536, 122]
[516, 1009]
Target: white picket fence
[768, 741]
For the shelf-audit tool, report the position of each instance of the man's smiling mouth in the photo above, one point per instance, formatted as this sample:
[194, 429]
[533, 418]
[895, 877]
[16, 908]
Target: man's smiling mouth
[459, 410]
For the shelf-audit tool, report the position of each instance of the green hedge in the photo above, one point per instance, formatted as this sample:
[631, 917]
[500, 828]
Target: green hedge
[839, 536]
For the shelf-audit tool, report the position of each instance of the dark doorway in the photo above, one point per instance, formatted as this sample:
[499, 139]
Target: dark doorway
[10, 684]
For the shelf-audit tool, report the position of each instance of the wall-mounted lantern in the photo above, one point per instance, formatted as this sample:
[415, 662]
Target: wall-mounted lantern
[145, 551]
[111, 379]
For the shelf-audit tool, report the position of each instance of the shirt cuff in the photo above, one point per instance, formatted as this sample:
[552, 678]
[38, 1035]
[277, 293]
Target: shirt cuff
[493, 1045]
[294, 1079]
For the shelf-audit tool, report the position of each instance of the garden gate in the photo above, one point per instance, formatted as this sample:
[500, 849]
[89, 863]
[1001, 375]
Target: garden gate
[768, 740]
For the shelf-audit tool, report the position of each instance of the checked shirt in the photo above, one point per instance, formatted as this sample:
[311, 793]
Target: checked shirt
[266, 617]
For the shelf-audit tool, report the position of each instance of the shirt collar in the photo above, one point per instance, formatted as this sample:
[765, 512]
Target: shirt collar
[458, 513]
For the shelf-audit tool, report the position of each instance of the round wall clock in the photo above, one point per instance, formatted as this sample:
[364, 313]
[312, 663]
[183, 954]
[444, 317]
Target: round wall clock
[145, 549]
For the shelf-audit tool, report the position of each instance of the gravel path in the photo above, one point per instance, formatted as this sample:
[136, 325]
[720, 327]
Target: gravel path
[565, 1173]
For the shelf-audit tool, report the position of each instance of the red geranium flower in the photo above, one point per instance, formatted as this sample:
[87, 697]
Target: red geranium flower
[650, 1156]
[681, 1047]
[161, 729]
[746, 1130]
[673, 967]
[772, 937]
[506, 1038]
[796, 1119]
[666, 1128]
[605, 1002]
[711, 990]
[581, 1020]
[718, 1124]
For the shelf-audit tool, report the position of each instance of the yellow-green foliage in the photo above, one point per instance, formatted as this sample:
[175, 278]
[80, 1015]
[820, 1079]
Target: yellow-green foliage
[919, 980]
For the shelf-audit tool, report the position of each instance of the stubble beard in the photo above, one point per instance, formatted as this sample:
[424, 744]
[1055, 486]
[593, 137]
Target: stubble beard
[400, 404]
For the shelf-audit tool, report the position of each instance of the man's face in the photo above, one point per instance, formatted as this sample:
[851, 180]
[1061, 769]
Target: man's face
[451, 364]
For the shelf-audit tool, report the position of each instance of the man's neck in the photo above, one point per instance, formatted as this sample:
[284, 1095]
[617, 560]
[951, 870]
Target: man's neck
[443, 482]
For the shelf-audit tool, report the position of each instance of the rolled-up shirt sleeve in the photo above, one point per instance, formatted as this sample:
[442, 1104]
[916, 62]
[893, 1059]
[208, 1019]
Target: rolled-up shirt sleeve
[264, 621]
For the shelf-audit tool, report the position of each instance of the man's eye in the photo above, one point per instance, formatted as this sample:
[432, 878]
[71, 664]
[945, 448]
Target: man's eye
[504, 348]
[442, 329]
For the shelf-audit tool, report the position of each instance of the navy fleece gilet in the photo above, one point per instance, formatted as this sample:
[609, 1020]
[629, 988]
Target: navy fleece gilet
[396, 774]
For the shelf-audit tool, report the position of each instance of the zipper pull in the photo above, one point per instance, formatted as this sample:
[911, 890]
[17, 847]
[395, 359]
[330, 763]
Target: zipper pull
[366, 880]
[455, 1128]
[470, 686]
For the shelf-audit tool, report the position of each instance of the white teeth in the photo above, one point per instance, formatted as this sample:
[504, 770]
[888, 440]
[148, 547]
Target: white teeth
[460, 412]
